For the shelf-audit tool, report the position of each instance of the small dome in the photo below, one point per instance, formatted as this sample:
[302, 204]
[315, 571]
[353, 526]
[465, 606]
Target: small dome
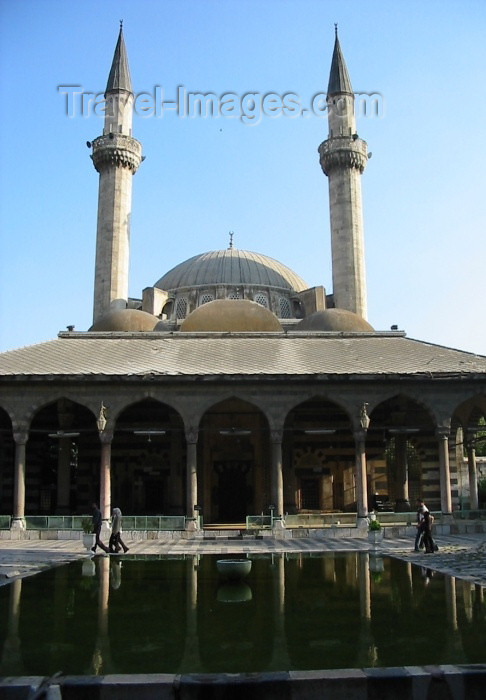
[125, 320]
[334, 320]
[231, 315]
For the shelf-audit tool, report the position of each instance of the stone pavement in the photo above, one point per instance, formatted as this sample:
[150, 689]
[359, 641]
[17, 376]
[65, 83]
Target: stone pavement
[463, 556]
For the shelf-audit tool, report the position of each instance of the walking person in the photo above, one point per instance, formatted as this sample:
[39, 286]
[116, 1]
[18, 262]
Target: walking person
[428, 541]
[116, 542]
[97, 522]
[420, 524]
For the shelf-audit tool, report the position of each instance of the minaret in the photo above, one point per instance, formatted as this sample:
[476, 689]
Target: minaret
[343, 158]
[116, 156]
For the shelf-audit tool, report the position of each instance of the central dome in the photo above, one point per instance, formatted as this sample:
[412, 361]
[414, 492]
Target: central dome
[231, 267]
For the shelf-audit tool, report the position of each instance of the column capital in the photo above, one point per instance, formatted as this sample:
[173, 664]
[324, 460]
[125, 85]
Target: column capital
[106, 437]
[192, 434]
[276, 436]
[442, 432]
[360, 435]
[20, 436]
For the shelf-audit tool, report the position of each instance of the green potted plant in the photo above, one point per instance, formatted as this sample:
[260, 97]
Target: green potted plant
[375, 531]
[88, 534]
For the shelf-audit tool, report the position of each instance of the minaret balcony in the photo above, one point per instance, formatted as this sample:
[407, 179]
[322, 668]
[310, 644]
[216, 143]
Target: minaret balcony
[117, 150]
[343, 152]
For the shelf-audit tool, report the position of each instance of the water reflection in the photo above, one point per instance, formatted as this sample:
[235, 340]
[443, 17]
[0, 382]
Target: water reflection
[236, 592]
[175, 615]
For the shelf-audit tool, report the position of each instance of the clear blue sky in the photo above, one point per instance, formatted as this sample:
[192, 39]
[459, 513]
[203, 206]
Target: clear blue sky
[424, 194]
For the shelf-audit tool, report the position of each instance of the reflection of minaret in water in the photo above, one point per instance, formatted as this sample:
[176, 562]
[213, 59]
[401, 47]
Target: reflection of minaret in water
[11, 663]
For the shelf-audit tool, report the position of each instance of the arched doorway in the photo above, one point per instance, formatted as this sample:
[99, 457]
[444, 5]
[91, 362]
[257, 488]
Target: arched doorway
[148, 460]
[319, 458]
[402, 434]
[62, 460]
[233, 462]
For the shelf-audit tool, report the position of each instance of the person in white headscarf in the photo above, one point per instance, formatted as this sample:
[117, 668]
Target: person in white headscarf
[116, 543]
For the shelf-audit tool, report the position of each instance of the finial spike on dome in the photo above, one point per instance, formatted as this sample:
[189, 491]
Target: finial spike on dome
[231, 234]
[335, 28]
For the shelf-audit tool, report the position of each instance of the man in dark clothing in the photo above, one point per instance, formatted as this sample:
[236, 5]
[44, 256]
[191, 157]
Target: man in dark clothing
[420, 524]
[428, 541]
[97, 522]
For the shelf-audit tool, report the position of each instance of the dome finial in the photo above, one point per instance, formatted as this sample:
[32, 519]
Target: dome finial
[231, 234]
[121, 25]
[335, 28]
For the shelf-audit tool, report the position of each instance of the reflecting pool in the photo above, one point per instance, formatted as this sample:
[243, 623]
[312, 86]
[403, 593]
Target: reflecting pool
[291, 612]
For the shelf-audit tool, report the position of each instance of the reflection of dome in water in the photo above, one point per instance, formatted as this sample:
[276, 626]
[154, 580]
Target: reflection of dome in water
[231, 267]
[231, 315]
[334, 320]
[125, 320]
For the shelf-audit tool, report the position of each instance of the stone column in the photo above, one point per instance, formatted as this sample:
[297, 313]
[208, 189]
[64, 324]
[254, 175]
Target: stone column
[444, 471]
[18, 520]
[106, 438]
[473, 475]
[277, 474]
[63, 476]
[360, 475]
[401, 484]
[191, 476]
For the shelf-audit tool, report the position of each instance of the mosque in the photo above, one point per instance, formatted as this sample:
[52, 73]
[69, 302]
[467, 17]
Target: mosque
[231, 388]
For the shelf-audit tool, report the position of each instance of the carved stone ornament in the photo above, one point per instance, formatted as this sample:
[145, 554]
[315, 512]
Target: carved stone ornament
[364, 419]
[191, 435]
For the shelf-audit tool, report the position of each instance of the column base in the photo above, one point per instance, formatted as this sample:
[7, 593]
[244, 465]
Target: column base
[191, 525]
[278, 524]
[362, 523]
[17, 524]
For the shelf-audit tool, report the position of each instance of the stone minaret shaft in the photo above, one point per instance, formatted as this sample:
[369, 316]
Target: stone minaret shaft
[116, 156]
[343, 157]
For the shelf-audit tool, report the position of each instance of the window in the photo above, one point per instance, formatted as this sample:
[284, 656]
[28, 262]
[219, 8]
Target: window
[284, 308]
[205, 298]
[181, 307]
[261, 299]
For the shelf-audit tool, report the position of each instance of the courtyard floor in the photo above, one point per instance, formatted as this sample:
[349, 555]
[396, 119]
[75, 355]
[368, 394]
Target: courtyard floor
[463, 556]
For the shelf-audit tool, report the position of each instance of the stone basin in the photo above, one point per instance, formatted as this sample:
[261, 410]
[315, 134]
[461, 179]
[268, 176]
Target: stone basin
[233, 569]
[234, 592]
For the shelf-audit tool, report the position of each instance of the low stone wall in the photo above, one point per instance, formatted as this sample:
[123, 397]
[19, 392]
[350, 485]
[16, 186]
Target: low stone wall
[465, 682]
[457, 527]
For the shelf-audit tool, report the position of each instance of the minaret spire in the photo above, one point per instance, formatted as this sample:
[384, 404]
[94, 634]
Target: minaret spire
[339, 82]
[116, 156]
[119, 77]
[343, 157]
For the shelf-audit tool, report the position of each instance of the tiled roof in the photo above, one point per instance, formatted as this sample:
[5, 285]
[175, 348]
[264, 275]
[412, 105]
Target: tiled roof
[161, 354]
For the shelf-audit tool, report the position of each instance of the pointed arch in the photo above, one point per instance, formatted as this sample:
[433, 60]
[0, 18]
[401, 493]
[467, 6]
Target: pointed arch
[233, 460]
[148, 459]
